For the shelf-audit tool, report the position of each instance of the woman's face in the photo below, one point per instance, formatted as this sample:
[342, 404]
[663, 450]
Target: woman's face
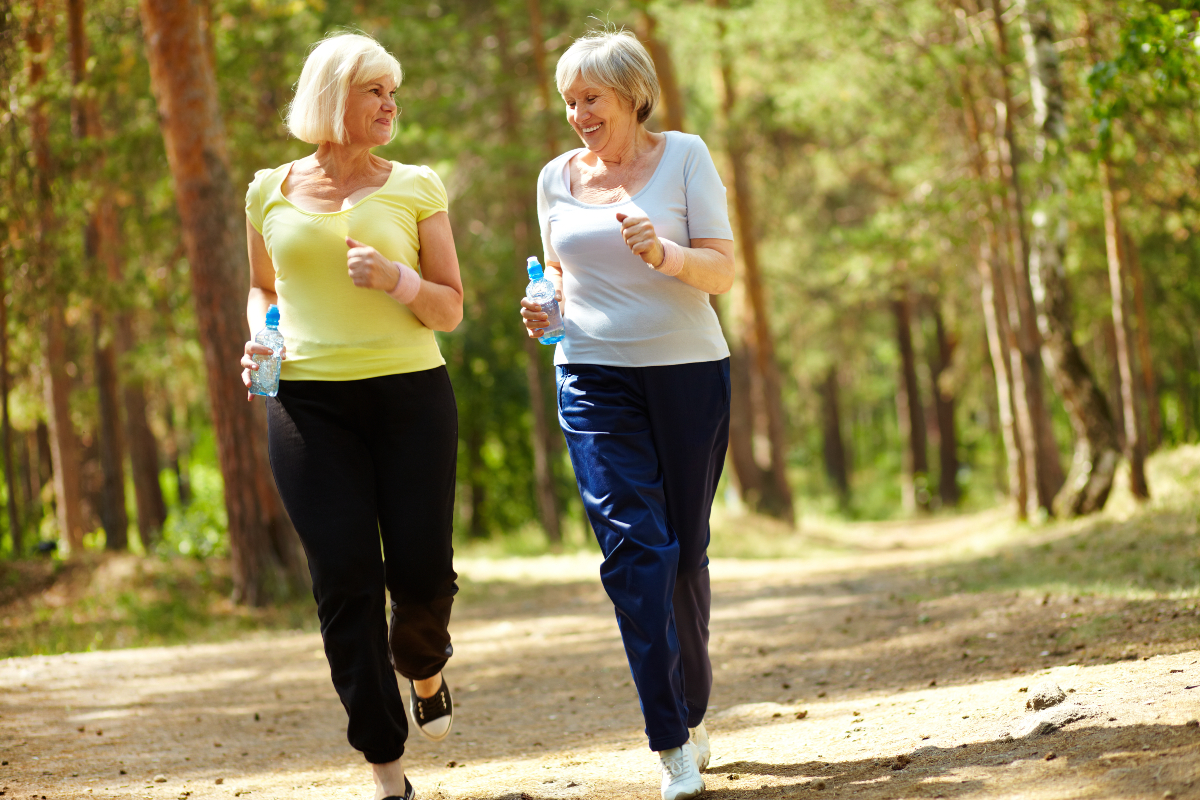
[370, 111]
[602, 118]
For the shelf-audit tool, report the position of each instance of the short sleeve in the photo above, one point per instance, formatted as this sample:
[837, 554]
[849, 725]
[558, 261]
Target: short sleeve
[254, 199]
[543, 212]
[707, 208]
[429, 194]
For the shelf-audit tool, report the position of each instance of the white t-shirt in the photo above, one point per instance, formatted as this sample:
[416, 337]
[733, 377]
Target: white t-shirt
[618, 311]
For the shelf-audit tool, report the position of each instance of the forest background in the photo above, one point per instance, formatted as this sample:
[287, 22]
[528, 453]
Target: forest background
[966, 253]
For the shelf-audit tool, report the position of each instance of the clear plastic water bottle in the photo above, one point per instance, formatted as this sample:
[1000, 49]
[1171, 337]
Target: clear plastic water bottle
[265, 379]
[541, 291]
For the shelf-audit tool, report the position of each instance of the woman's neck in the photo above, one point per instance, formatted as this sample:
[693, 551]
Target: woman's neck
[344, 162]
[623, 154]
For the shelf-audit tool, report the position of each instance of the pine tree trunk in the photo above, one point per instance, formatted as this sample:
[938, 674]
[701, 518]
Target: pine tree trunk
[995, 307]
[15, 528]
[264, 555]
[1044, 468]
[1096, 454]
[776, 497]
[837, 466]
[1135, 449]
[97, 245]
[143, 449]
[943, 401]
[1145, 359]
[56, 382]
[670, 105]
[536, 374]
[910, 413]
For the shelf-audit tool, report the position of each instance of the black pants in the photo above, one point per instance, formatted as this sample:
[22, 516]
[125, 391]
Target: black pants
[360, 463]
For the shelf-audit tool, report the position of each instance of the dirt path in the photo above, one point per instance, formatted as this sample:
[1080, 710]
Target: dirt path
[904, 696]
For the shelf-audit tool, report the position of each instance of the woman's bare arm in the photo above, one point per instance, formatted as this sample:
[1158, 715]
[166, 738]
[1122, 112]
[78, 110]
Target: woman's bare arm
[439, 303]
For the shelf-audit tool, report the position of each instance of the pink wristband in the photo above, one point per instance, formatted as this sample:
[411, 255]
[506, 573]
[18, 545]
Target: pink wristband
[672, 263]
[407, 285]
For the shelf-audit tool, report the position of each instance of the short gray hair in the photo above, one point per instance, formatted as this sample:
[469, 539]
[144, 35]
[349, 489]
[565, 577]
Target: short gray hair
[335, 64]
[616, 60]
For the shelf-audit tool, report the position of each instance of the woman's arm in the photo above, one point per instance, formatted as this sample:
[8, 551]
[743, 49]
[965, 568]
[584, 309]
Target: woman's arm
[707, 263]
[262, 294]
[438, 300]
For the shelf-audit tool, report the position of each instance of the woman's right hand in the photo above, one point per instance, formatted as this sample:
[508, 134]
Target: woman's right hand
[534, 318]
[253, 348]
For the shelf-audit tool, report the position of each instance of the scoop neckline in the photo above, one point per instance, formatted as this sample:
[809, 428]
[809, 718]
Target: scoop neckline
[653, 176]
[288, 200]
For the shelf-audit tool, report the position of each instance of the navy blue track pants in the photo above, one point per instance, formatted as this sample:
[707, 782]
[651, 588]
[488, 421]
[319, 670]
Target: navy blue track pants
[648, 445]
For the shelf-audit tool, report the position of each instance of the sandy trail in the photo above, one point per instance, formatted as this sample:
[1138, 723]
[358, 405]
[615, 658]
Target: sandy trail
[903, 698]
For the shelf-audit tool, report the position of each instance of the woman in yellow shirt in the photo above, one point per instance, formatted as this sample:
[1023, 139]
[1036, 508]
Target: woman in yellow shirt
[358, 254]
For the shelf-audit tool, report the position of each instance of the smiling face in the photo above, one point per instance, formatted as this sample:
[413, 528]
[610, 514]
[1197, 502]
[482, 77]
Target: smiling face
[604, 120]
[370, 112]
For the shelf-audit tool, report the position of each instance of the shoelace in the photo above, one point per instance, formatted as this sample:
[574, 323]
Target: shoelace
[677, 765]
[424, 704]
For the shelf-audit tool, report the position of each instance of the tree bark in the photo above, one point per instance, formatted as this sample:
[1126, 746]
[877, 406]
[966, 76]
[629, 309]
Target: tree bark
[57, 385]
[776, 497]
[670, 105]
[1044, 467]
[837, 466]
[1145, 358]
[85, 125]
[995, 308]
[910, 413]
[943, 402]
[536, 375]
[1096, 454]
[1135, 449]
[15, 529]
[264, 556]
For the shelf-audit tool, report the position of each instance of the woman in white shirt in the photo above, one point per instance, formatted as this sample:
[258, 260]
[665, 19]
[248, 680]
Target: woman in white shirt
[636, 235]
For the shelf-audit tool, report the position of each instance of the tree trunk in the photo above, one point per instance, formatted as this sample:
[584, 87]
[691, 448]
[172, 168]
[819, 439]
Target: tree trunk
[837, 466]
[143, 451]
[85, 124]
[776, 498]
[1135, 449]
[1090, 480]
[995, 309]
[178, 451]
[943, 401]
[57, 385]
[265, 561]
[15, 529]
[910, 413]
[670, 105]
[536, 375]
[1044, 467]
[1145, 359]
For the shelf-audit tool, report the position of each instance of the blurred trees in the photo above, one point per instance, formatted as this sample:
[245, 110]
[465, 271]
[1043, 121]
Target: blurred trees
[914, 188]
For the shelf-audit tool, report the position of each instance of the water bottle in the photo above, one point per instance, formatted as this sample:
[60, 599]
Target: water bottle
[265, 379]
[541, 291]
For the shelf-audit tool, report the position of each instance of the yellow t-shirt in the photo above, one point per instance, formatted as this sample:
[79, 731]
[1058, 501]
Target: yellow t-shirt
[333, 330]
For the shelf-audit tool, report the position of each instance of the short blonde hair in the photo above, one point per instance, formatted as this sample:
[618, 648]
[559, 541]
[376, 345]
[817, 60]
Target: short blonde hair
[614, 59]
[335, 64]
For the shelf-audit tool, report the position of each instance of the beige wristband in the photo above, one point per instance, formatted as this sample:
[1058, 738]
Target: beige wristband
[672, 263]
[407, 285]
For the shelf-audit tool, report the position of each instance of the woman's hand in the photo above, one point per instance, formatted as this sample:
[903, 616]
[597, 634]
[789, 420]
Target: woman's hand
[368, 269]
[252, 349]
[640, 237]
[534, 318]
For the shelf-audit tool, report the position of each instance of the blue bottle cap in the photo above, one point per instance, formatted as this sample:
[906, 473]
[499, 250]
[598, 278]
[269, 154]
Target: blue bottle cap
[273, 316]
[534, 269]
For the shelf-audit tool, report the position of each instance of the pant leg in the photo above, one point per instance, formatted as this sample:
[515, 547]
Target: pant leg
[326, 478]
[414, 423]
[688, 406]
[603, 416]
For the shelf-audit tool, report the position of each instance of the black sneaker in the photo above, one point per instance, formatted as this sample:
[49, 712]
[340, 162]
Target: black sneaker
[409, 792]
[433, 715]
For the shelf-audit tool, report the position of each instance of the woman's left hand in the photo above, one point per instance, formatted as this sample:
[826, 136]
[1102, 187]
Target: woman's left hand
[368, 269]
[639, 236]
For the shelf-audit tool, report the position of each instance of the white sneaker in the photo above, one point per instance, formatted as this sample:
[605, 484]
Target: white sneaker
[703, 751]
[681, 779]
